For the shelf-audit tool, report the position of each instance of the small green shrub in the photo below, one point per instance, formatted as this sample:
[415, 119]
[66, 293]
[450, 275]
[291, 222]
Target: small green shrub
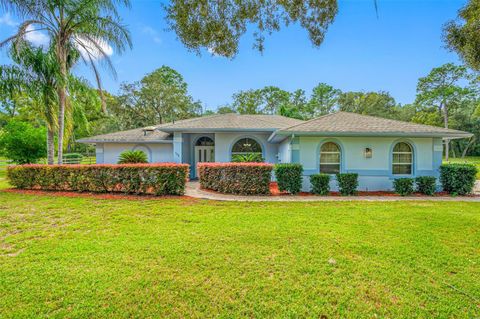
[426, 184]
[236, 178]
[320, 184]
[347, 183]
[289, 177]
[72, 158]
[247, 158]
[132, 157]
[23, 143]
[403, 186]
[158, 179]
[458, 179]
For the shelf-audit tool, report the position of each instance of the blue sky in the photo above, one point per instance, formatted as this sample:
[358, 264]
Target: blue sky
[360, 52]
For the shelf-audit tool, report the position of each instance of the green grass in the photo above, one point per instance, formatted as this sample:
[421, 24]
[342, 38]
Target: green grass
[469, 159]
[83, 257]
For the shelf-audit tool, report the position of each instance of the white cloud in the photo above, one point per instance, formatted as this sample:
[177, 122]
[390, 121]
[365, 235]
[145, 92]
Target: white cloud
[152, 33]
[37, 38]
[7, 19]
[93, 49]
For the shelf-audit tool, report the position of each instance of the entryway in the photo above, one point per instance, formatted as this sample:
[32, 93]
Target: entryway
[204, 151]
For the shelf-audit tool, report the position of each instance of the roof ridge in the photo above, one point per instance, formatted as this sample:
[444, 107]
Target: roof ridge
[314, 119]
[192, 119]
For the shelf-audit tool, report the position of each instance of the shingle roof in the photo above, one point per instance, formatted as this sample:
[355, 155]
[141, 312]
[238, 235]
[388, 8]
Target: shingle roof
[232, 122]
[137, 135]
[220, 122]
[345, 124]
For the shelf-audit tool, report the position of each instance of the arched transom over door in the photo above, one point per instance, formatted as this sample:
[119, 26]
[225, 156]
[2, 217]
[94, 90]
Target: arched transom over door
[247, 149]
[204, 151]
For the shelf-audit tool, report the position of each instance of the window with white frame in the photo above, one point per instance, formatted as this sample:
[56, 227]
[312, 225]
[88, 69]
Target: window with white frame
[402, 159]
[330, 156]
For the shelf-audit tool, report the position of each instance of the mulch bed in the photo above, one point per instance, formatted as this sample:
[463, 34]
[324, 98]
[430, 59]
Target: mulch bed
[94, 195]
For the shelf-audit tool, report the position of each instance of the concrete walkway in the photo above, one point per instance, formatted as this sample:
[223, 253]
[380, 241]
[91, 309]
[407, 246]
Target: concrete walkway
[193, 190]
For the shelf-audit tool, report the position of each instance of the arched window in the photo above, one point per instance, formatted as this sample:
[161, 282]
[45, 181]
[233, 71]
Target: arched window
[205, 141]
[247, 149]
[402, 159]
[330, 156]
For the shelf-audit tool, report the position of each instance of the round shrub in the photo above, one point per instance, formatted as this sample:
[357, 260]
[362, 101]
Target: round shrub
[320, 184]
[132, 157]
[289, 177]
[458, 179]
[72, 158]
[426, 184]
[347, 183]
[403, 186]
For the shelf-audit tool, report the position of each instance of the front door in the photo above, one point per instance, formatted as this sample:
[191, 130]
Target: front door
[204, 154]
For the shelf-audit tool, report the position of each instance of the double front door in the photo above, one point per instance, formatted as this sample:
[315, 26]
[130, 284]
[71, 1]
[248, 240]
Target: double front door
[204, 154]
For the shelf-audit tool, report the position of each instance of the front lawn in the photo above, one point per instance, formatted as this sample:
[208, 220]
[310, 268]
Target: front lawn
[82, 257]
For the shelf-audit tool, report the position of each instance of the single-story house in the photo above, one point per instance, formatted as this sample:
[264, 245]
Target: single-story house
[378, 149]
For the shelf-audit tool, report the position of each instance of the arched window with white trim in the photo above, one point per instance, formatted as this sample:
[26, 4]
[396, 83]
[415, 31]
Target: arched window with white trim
[247, 150]
[330, 158]
[402, 159]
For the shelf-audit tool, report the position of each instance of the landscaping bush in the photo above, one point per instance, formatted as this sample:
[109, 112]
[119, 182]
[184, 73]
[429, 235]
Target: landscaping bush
[426, 184]
[320, 184]
[23, 143]
[458, 179]
[247, 158]
[132, 157]
[158, 179]
[289, 177]
[236, 178]
[347, 183]
[403, 186]
[72, 158]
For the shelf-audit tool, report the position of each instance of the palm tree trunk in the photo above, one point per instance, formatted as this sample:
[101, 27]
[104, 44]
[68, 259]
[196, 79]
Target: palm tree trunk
[50, 146]
[445, 122]
[61, 122]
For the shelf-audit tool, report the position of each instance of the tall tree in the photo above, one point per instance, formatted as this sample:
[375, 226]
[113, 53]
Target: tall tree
[247, 102]
[36, 74]
[77, 29]
[324, 100]
[160, 97]
[218, 25]
[380, 104]
[443, 88]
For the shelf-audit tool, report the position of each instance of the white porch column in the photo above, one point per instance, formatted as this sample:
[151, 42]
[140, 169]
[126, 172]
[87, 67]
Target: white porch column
[177, 147]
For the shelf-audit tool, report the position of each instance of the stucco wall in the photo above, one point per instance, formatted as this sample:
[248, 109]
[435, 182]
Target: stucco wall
[225, 141]
[284, 151]
[374, 173]
[155, 152]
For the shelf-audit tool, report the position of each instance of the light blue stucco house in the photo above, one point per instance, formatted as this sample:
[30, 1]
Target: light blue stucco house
[378, 149]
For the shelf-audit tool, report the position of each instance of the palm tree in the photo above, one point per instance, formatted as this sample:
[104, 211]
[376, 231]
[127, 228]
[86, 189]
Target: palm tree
[36, 73]
[83, 28]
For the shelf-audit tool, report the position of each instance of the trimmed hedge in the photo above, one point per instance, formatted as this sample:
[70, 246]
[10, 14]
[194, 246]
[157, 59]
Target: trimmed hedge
[426, 184]
[236, 178]
[458, 179]
[320, 184]
[347, 183]
[158, 179]
[403, 186]
[289, 177]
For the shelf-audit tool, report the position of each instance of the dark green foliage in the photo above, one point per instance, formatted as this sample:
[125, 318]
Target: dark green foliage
[247, 158]
[289, 177]
[132, 157]
[347, 183]
[219, 25]
[236, 178]
[320, 184]
[426, 184]
[23, 143]
[72, 158]
[458, 179]
[158, 179]
[403, 186]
